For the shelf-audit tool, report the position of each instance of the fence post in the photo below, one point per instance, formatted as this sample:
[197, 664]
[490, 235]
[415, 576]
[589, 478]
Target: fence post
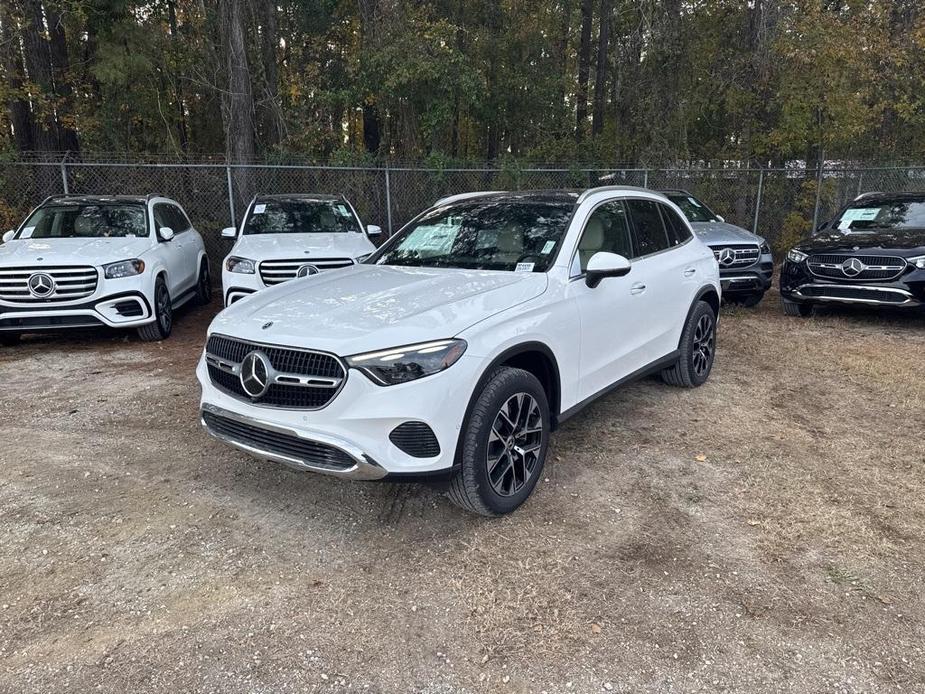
[818, 191]
[64, 174]
[758, 200]
[388, 199]
[860, 180]
[645, 178]
[234, 222]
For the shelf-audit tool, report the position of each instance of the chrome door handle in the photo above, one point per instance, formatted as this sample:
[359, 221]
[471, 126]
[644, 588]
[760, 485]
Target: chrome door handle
[690, 272]
[637, 288]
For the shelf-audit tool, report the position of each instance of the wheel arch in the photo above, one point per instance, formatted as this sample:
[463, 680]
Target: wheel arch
[708, 294]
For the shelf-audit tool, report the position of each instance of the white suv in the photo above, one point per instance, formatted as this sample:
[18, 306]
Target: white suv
[80, 261]
[288, 236]
[460, 345]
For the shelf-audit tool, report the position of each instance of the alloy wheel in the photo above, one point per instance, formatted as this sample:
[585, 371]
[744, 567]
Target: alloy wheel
[704, 338]
[164, 310]
[514, 444]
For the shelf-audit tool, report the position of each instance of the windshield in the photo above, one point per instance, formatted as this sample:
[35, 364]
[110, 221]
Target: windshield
[892, 215]
[520, 236]
[85, 222]
[693, 209]
[301, 217]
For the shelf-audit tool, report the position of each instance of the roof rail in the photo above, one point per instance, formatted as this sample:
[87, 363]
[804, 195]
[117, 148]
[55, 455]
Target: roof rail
[869, 192]
[54, 197]
[463, 196]
[603, 189]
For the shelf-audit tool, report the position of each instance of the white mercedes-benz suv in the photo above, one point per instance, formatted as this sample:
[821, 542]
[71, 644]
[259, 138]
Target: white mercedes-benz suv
[459, 346]
[288, 236]
[90, 261]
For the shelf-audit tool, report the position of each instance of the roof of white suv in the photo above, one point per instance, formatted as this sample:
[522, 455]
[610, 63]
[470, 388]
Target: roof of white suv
[89, 199]
[576, 195]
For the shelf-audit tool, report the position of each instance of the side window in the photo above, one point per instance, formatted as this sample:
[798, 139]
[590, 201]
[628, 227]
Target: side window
[607, 229]
[162, 216]
[647, 222]
[180, 220]
[678, 232]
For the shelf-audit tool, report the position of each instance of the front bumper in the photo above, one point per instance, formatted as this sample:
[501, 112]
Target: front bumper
[755, 279]
[357, 423]
[121, 310]
[237, 285]
[798, 284]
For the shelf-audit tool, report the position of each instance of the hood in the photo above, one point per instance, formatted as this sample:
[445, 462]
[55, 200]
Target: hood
[903, 243]
[715, 233]
[309, 246]
[368, 307]
[72, 251]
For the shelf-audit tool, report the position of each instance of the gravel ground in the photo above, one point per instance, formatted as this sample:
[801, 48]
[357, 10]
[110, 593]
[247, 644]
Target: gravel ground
[764, 532]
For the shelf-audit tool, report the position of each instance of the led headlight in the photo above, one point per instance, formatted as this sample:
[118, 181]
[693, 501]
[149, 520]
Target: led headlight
[124, 268]
[795, 256]
[402, 364]
[243, 266]
[918, 262]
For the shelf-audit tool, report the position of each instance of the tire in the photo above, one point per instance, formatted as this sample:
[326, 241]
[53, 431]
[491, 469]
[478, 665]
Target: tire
[9, 339]
[204, 284]
[162, 325]
[698, 349]
[494, 474]
[749, 300]
[793, 308]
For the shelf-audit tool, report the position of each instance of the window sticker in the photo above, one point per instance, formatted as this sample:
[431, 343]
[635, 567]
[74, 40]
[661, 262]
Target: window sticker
[259, 209]
[26, 233]
[524, 267]
[547, 248]
[857, 214]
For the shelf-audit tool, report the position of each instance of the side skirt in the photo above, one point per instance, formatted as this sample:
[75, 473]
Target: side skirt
[647, 370]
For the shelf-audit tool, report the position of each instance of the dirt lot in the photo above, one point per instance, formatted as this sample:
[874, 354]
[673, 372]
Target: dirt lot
[765, 532]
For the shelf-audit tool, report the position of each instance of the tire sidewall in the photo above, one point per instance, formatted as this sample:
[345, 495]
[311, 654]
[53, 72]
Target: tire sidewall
[161, 286]
[475, 445]
[702, 309]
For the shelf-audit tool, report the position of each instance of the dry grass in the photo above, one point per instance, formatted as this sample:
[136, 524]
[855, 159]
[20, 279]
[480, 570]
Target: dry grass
[764, 532]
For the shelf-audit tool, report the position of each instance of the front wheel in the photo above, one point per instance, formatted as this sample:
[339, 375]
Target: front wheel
[162, 325]
[698, 348]
[504, 443]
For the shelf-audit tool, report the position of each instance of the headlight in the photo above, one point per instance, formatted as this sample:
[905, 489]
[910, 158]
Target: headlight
[795, 256]
[361, 258]
[765, 249]
[919, 262]
[402, 364]
[240, 265]
[124, 268]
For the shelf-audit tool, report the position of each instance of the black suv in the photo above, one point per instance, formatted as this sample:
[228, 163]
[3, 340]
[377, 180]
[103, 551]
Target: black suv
[871, 253]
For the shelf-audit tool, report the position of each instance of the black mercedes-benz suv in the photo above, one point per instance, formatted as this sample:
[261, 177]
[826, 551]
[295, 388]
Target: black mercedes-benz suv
[871, 253]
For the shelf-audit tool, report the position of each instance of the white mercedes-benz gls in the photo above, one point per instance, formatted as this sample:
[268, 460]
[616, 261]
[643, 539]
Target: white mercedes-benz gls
[456, 349]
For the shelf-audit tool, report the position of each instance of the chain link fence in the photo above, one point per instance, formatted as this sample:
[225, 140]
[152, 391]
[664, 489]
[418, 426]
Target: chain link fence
[780, 204]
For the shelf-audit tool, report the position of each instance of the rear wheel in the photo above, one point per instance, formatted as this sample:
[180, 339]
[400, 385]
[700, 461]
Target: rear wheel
[204, 284]
[793, 308]
[162, 325]
[9, 339]
[698, 348]
[504, 444]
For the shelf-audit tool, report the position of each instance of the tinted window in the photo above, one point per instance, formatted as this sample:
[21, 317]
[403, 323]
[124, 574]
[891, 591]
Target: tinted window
[521, 236]
[883, 214]
[678, 232]
[693, 209]
[180, 218]
[607, 229]
[647, 223]
[85, 221]
[301, 217]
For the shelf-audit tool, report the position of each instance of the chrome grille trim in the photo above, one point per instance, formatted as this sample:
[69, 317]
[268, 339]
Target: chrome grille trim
[743, 255]
[883, 268]
[71, 283]
[277, 271]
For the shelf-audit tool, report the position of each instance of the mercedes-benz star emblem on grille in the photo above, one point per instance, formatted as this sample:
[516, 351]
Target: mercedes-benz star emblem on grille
[306, 270]
[255, 374]
[41, 284]
[853, 267]
[727, 256]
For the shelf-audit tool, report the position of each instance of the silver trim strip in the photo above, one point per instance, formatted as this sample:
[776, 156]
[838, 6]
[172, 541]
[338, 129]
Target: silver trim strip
[909, 298]
[364, 469]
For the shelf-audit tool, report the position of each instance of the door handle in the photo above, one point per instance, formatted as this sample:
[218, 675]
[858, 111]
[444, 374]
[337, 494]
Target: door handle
[689, 272]
[637, 288]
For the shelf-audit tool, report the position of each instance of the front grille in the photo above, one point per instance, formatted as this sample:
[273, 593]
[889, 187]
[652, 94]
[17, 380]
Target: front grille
[416, 439]
[265, 440]
[875, 267]
[736, 256]
[70, 283]
[276, 271]
[286, 360]
[849, 293]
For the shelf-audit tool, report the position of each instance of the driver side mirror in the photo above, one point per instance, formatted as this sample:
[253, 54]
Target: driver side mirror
[229, 232]
[373, 230]
[8, 235]
[604, 264]
[166, 233]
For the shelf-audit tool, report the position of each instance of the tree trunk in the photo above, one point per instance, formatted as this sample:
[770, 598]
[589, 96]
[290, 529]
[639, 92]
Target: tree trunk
[179, 105]
[372, 121]
[601, 69]
[238, 100]
[562, 59]
[66, 135]
[20, 115]
[38, 66]
[584, 67]
[272, 121]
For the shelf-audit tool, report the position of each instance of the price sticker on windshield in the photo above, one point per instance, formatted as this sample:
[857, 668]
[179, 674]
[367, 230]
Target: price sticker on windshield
[26, 233]
[858, 214]
[259, 209]
[548, 246]
[524, 267]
